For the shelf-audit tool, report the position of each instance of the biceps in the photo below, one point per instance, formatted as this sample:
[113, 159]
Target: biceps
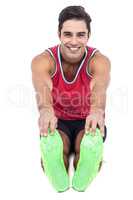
[42, 81]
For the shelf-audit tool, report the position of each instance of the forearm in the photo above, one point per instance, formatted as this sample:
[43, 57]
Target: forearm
[98, 98]
[43, 90]
[44, 98]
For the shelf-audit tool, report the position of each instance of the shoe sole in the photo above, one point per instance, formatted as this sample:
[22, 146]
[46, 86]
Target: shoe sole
[91, 154]
[52, 158]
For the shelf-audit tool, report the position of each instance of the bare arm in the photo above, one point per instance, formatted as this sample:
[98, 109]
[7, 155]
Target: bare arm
[41, 68]
[100, 70]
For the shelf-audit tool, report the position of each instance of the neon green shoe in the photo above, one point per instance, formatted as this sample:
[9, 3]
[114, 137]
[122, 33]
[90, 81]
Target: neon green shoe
[91, 154]
[52, 158]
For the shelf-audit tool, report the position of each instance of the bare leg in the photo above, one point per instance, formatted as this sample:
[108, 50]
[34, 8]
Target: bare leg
[66, 148]
[77, 147]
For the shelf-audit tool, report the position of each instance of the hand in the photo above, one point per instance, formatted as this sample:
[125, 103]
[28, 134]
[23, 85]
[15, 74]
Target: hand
[96, 117]
[47, 120]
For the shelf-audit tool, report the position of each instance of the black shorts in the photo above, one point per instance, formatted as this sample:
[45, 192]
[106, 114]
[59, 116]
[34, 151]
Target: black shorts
[72, 127]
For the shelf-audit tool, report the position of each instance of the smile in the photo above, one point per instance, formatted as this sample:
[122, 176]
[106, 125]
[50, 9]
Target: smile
[73, 49]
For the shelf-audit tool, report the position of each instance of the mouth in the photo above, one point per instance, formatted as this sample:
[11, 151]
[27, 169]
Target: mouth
[73, 49]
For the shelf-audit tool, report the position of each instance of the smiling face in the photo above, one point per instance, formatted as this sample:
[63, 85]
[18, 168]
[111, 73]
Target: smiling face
[74, 38]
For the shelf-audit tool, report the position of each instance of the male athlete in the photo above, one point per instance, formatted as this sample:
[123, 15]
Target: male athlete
[71, 81]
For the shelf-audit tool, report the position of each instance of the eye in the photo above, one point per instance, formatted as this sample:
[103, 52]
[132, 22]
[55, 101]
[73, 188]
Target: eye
[67, 34]
[81, 35]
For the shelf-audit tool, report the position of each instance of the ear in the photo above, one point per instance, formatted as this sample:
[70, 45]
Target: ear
[89, 35]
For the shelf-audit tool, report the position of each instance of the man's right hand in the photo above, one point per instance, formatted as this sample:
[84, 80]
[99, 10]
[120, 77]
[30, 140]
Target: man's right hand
[47, 120]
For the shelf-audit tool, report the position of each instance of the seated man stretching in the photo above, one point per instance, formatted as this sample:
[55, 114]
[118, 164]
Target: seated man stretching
[71, 80]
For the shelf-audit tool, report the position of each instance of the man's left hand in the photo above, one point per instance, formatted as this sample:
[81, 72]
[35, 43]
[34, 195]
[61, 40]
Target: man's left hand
[94, 119]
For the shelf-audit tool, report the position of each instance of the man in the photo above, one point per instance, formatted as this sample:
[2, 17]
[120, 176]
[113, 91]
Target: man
[71, 80]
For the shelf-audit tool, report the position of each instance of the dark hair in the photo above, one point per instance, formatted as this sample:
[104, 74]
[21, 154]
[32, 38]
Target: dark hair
[74, 12]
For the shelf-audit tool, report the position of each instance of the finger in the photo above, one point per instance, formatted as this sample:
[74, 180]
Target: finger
[53, 125]
[93, 127]
[102, 130]
[44, 128]
[101, 127]
[87, 126]
[43, 134]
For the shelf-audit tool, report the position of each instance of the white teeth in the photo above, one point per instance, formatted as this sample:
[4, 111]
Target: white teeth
[73, 49]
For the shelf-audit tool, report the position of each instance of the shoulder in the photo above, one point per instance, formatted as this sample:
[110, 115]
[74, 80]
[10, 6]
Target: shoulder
[43, 62]
[99, 63]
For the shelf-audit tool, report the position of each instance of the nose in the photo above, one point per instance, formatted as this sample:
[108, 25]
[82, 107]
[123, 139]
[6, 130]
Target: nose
[74, 41]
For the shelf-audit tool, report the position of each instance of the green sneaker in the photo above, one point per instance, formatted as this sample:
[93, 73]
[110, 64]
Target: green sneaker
[52, 158]
[91, 154]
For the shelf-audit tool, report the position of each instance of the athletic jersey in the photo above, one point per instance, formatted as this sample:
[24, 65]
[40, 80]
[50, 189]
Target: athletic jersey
[71, 99]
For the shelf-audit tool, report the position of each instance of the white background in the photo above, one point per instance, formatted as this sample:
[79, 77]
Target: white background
[26, 29]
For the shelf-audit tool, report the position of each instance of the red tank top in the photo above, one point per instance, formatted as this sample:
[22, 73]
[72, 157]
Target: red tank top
[71, 100]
